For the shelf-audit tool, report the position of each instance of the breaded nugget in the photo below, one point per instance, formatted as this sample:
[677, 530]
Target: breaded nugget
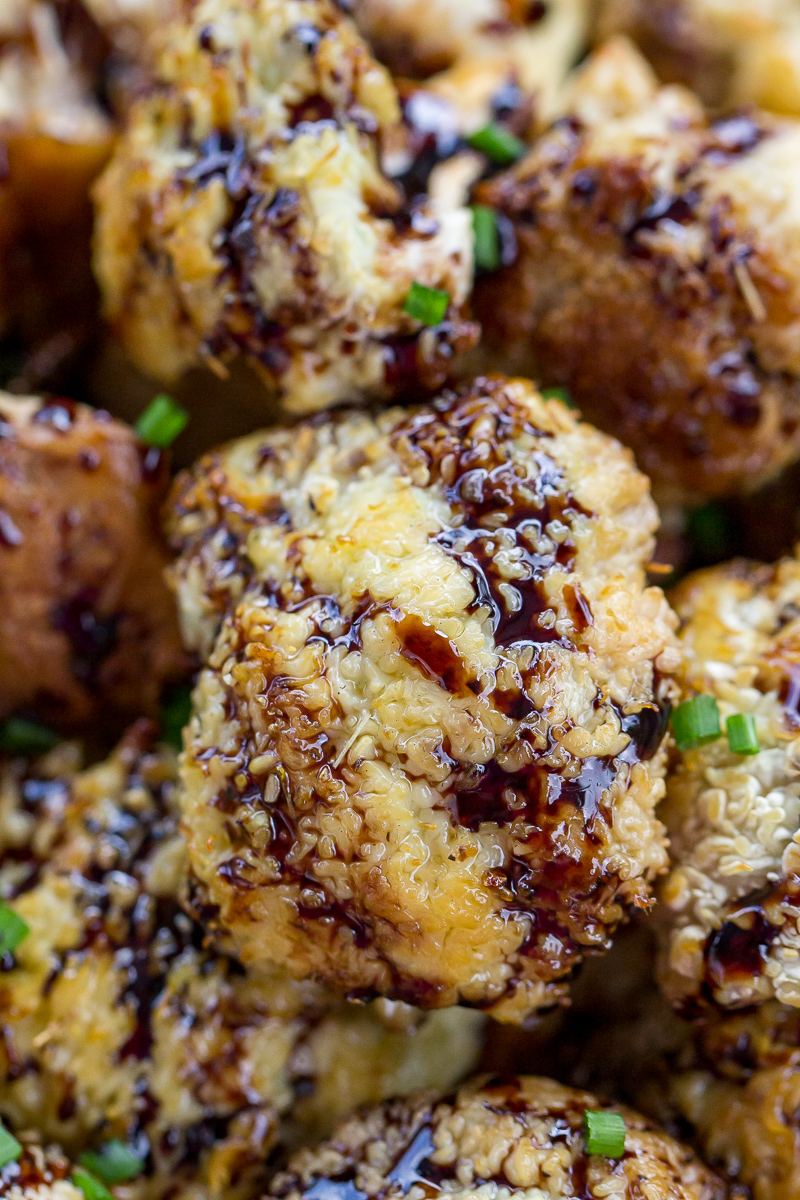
[497, 1137]
[733, 894]
[245, 212]
[120, 1021]
[87, 625]
[425, 755]
[658, 275]
[731, 52]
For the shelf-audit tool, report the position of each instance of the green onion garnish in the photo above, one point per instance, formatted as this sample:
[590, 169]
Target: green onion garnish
[604, 1133]
[161, 422]
[113, 1163]
[19, 736]
[710, 531]
[487, 238]
[10, 1148]
[559, 393]
[426, 304]
[742, 736]
[13, 929]
[175, 713]
[497, 143]
[696, 722]
[92, 1188]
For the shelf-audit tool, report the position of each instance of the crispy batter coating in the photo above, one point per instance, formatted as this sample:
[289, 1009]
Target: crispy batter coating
[54, 139]
[120, 1021]
[733, 894]
[731, 53]
[425, 755]
[40, 1173]
[495, 1138]
[87, 625]
[245, 211]
[658, 276]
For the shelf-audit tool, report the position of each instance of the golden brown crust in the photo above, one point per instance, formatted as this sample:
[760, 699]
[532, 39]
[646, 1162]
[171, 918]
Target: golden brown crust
[425, 757]
[120, 1021]
[497, 1137]
[636, 213]
[245, 212]
[87, 625]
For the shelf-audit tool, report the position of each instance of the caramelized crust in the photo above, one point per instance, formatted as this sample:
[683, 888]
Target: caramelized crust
[119, 1020]
[245, 212]
[425, 755]
[87, 625]
[733, 894]
[657, 275]
[497, 1137]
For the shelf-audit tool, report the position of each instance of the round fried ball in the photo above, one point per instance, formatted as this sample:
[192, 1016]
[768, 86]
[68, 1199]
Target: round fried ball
[87, 625]
[425, 752]
[245, 212]
[733, 928]
[130, 1025]
[658, 275]
[497, 1137]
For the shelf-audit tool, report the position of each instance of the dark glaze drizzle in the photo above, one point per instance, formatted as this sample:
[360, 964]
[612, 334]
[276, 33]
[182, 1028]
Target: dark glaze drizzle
[739, 949]
[502, 503]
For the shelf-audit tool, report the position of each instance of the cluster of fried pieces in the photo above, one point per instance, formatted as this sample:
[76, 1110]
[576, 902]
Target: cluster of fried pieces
[332, 765]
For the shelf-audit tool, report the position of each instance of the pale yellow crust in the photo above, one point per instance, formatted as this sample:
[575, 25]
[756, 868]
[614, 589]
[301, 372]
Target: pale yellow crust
[497, 1137]
[732, 908]
[426, 633]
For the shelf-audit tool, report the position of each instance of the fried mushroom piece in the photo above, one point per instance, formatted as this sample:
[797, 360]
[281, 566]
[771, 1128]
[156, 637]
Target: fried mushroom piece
[733, 893]
[742, 1099]
[120, 1021]
[738, 52]
[425, 752]
[532, 43]
[245, 212]
[657, 275]
[496, 1137]
[87, 625]
[54, 139]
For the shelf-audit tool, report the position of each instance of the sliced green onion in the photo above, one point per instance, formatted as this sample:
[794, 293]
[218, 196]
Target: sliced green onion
[741, 731]
[696, 722]
[498, 143]
[113, 1163]
[604, 1133]
[161, 422]
[426, 304]
[559, 393]
[487, 238]
[10, 1148]
[18, 736]
[175, 713]
[92, 1188]
[710, 532]
[13, 929]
